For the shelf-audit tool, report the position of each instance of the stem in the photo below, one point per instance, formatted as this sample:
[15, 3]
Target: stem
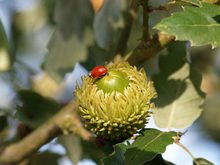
[148, 47]
[144, 51]
[15, 153]
[187, 150]
[145, 26]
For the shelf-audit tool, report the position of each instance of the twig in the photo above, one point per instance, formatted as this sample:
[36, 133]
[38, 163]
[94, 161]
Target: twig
[148, 47]
[15, 153]
[145, 51]
[187, 150]
[145, 26]
[67, 119]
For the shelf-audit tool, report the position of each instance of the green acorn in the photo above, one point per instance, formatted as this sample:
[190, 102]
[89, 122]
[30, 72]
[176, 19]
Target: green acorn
[116, 105]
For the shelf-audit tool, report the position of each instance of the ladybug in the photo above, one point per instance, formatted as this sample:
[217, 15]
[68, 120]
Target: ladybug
[98, 72]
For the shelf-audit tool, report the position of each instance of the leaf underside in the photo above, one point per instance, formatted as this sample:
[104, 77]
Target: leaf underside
[180, 100]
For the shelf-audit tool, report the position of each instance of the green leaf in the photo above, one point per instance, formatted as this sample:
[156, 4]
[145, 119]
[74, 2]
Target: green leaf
[92, 151]
[173, 60]
[117, 157]
[6, 55]
[73, 17]
[3, 123]
[169, 64]
[108, 21]
[63, 55]
[70, 42]
[44, 158]
[35, 108]
[185, 102]
[180, 99]
[147, 147]
[158, 160]
[195, 24]
[201, 161]
[193, 2]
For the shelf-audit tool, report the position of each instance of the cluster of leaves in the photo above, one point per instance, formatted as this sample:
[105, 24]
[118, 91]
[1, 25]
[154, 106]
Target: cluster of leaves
[146, 149]
[94, 39]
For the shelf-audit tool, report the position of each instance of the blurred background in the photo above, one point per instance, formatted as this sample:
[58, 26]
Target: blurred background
[26, 28]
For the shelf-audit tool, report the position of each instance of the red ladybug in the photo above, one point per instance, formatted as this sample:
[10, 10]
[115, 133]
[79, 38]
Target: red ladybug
[98, 72]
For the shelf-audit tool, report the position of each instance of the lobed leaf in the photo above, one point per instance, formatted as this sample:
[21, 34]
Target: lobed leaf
[70, 42]
[196, 24]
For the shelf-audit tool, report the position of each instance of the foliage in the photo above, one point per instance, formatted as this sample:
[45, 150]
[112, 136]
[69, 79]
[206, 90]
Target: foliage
[82, 35]
[35, 109]
[202, 161]
[72, 37]
[181, 105]
[44, 158]
[3, 123]
[147, 146]
[192, 23]
[6, 54]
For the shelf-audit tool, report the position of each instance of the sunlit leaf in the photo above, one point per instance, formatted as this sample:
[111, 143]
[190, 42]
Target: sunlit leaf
[147, 146]
[193, 2]
[180, 99]
[185, 102]
[195, 24]
[35, 109]
[202, 161]
[5, 50]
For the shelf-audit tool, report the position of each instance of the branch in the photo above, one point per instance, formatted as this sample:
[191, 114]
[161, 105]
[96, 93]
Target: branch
[144, 51]
[145, 26]
[187, 150]
[64, 120]
[67, 119]
[148, 47]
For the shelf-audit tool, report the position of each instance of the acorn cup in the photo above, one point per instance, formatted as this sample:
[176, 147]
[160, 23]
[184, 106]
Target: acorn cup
[117, 105]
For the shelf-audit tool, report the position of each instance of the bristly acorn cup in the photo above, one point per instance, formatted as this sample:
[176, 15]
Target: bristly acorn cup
[116, 105]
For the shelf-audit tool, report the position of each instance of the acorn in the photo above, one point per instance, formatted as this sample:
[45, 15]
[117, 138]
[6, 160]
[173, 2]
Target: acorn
[116, 105]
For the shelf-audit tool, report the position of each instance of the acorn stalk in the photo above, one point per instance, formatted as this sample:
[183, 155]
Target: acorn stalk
[116, 105]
